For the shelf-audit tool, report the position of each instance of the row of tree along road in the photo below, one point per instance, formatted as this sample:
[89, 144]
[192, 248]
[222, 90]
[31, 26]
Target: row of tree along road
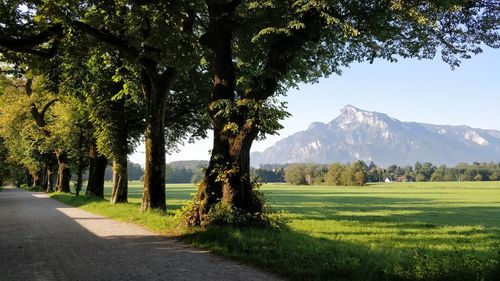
[84, 81]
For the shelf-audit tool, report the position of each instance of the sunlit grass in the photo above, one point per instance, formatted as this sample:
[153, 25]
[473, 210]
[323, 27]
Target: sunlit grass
[397, 231]
[163, 222]
[434, 215]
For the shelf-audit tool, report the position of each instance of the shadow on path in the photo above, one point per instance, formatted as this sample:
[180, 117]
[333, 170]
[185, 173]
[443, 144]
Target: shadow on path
[42, 239]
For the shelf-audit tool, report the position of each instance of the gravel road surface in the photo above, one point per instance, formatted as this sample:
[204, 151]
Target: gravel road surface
[43, 239]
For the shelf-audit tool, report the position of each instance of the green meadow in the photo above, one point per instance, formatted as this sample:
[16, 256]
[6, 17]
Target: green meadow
[396, 231]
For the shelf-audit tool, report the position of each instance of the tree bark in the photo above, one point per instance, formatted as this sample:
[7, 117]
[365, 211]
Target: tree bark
[37, 178]
[44, 179]
[120, 150]
[28, 179]
[97, 169]
[155, 91]
[50, 178]
[80, 162]
[63, 173]
[120, 181]
[79, 180]
[235, 188]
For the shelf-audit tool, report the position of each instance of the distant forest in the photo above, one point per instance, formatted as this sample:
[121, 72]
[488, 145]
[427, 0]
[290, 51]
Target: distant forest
[134, 172]
[357, 173]
[176, 172]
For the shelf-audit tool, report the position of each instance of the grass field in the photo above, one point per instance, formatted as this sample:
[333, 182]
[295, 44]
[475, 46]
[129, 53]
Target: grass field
[397, 231]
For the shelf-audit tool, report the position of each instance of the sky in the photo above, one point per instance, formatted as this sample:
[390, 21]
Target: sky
[425, 91]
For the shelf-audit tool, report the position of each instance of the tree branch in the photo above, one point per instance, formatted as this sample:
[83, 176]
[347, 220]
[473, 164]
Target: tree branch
[33, 40]
[121, 45]
[27, 44]
[46, 107]
[282, 52]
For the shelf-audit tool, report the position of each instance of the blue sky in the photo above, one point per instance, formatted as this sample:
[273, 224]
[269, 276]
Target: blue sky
[410, 90]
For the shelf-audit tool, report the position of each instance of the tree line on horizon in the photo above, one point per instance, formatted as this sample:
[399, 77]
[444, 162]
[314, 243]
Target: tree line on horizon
[359, 173]
[338, 174]
[82, 82]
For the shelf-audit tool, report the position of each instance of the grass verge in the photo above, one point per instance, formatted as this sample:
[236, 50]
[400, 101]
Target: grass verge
[409, 232]
[298, 256]
[31, 188]
[156, 221]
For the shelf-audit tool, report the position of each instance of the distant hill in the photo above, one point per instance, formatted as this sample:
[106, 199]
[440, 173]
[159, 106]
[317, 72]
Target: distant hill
[371, 136]
[134, 171]
[185, 171]
[189, 164]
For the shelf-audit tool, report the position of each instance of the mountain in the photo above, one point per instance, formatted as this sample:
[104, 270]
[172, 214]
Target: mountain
[371, 136]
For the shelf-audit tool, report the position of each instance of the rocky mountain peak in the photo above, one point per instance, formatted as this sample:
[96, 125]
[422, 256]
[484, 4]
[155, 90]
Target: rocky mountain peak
[316, 125]
[372, 136]
[350, 110]
[351, 116]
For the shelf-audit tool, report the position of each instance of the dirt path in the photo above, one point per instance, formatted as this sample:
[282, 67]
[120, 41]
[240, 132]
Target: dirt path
[42, 239]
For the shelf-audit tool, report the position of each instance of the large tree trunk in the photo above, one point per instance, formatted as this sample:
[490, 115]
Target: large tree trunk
[120, 178]
[230, 154]
[50, 178]
[63, 173]
[80, 163]
[155, 89]
[79, 180]
[120, 181]
[227, 178]
[97, 170]
[44, 179]
[28, 178]
[37, 178]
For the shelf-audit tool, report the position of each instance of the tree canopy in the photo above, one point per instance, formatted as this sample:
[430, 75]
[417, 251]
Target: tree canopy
[177, 68]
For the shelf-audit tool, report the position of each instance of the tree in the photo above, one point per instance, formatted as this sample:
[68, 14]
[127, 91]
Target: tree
[5, 173]
[167, 66]
[257, 51]
[358, 169]
[439, 173]
[162, 63]
[310, 173]
[334, 174]
[114, 111]
[26, 105]
[294, 174]
[70, 138]
[495, 176]
[427, 170]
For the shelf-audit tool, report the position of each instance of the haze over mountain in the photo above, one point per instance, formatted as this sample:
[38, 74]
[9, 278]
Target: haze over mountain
[371, 136]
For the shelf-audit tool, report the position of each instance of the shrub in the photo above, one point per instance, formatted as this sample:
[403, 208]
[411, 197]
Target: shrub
[226, 214]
